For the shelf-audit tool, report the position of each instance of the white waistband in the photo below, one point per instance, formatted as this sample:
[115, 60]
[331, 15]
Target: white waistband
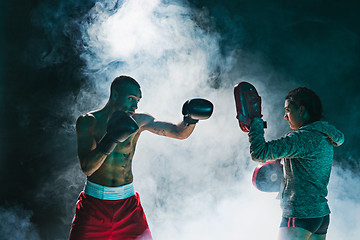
[109, 193]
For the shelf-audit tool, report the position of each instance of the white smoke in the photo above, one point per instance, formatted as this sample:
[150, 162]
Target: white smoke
[16, 223]
[158, 44]
[199, 188]
[344, 190]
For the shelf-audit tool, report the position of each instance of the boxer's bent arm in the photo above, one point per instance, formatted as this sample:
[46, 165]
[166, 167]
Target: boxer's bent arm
[293, 145]
[90, 158]
[162, 128]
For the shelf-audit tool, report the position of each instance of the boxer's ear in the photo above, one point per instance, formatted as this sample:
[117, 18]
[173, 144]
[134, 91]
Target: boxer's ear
[302, 110]
[114, 95]
[304, 114]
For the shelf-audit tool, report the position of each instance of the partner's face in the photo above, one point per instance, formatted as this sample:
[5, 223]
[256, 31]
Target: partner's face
[293, 115]
[128, 98]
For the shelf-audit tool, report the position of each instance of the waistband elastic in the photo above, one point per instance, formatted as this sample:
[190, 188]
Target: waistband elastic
[109, 193]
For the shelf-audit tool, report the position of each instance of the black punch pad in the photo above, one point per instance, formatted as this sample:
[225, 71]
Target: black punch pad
[267, 177]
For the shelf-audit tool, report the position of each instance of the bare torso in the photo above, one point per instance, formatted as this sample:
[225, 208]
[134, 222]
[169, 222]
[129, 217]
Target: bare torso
[117, 167]
[116, 170]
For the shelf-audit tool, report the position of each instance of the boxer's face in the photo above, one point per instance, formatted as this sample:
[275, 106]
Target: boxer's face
[294, 116]
[128, 98]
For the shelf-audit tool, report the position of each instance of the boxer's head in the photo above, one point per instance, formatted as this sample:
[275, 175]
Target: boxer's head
[125, 93]
[302, 106]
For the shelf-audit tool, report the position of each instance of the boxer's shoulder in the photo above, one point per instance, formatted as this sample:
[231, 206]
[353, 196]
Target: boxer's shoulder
[85, 119]
[142, 119]
[86, 123]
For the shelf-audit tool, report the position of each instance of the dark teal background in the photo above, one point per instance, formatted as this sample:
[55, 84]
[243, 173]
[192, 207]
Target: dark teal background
[315, 42]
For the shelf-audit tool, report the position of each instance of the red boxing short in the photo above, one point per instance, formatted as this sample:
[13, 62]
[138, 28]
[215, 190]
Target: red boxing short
[99, 219]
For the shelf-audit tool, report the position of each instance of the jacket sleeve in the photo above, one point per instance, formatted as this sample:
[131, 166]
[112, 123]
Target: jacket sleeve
[285, 147]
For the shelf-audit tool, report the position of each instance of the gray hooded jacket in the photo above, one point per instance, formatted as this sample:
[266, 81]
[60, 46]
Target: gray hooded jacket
[308, 157]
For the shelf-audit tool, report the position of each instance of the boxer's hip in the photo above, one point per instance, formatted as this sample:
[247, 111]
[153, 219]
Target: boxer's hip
[109, 193]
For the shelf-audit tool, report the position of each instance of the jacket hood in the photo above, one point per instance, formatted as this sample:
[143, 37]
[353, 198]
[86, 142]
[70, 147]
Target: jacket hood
[335, 137]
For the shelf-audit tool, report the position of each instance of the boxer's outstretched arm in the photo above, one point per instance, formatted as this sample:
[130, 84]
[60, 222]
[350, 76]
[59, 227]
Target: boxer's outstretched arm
[90, 157]
[180, 130]
[193, 110]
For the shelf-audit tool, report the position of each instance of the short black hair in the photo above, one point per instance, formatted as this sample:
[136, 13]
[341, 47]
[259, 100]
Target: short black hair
[119, 82]
[303, 96]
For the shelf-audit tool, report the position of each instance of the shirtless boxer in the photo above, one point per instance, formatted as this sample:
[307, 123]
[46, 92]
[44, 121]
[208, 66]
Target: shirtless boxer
[109, 208]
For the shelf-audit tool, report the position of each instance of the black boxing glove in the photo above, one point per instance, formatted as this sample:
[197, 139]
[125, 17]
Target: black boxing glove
[120, 126]
[196, 109]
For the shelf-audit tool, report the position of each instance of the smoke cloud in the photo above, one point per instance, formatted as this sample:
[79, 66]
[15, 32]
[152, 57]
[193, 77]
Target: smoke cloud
[199, 188]
[16, 224]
